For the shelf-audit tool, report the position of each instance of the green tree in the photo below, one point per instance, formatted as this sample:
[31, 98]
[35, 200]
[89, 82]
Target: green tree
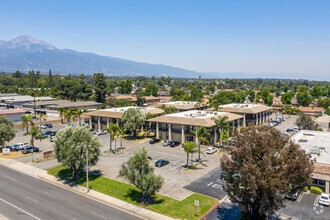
[262, 168]
[121, 134]
[41, 117]
[139, 172]
[286, 98]
[133, 119]
[224, 127]
[61, 110]
[70, 148]
[304, 99]
[251, 95]
[305, 122]
[68, 114]
[190, 147]
[100, 87]
[196, 94]
[151, 89]
[316, 92]
[266, 96]
[201, 135]
[33, 133]
[7, 130]
[27, 119]
[112, 130]
[226, 97]
[168, 109]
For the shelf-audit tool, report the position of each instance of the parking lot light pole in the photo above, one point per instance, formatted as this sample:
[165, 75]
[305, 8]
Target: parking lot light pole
[87, 168]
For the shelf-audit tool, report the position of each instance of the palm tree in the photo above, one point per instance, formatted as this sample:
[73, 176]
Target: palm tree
[26, 120]
[78, 114]
[112, 130]
[190, 147]
[223, 124]
[33, 133]
[121, 134]
[61, 110]
[201, 135]
[68, 114]
[41, 116]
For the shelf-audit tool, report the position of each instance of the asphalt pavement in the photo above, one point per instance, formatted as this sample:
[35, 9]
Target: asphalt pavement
[24, 197]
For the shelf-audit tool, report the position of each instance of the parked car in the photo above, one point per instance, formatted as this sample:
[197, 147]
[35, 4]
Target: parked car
[53, 133]
[166, 143]
[48, 132]
[40, 136]
[18, 146]
[293, 196]
[49, 125]
[211, 150]
[324, 199]
[160, 163]
[42, 126]
[52, 138]
[175, 143]
[231, 141]
[153, 141]
[28, 149]
[223, 174]
[148, 157]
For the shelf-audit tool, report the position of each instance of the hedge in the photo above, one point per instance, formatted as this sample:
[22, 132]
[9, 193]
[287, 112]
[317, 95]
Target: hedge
[315, 190]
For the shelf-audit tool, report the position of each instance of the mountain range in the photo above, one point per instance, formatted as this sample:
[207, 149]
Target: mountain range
[25, 53]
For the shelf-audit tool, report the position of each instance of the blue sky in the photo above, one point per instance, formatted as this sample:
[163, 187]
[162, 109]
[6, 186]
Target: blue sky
[280, 38]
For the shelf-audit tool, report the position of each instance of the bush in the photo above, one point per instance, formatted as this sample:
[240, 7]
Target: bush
[315, 190]
[306, 189]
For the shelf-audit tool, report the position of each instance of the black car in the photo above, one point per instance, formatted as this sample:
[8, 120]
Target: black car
[49, 125]
[175, 143]
[223, 174]
[26, 150]
[53, 133]
[48, 132]
[160, 163]
[152, 141]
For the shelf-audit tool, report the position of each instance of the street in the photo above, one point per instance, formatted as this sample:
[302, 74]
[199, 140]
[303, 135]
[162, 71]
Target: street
[25, 197]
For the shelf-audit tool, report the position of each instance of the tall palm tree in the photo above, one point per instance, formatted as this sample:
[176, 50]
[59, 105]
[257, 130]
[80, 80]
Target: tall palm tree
[26, 120]
[40, 117]
[78, 114]
[201, 135]
[68, 114]
[61, 110]
[190, 147]
[224, 126]
[121, 134]
[112, 130]
[33, 133]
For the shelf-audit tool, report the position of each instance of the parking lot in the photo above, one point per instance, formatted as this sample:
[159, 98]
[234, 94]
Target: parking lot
[109, 164]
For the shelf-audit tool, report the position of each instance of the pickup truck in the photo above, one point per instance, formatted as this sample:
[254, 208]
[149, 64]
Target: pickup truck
[18, 146]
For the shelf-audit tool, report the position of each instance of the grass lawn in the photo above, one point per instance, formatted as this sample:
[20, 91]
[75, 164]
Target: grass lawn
[184, 209]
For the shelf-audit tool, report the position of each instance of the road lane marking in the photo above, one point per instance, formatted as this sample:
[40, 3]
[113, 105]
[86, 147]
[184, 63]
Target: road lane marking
[35, 217]
[316, 201]
[31, 199]
[48, 194]
[11, 178]
[210, 184]
[101, 216]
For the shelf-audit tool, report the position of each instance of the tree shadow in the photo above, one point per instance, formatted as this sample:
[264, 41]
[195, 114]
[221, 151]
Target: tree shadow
[66, 176]
[136, 196]
[228, 211]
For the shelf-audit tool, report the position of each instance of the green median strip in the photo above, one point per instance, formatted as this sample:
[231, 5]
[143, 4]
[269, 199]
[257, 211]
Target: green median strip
[184, 209]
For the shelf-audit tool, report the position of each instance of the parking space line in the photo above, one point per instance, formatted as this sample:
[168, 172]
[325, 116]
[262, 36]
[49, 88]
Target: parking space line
[316, 200]
[300, 197]
[210, 184]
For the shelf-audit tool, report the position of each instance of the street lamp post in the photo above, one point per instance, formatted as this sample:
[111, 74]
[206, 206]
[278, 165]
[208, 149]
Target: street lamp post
[87, 168]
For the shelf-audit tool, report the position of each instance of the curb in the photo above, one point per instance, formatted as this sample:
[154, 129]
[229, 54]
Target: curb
[103, 198]
[216, 205]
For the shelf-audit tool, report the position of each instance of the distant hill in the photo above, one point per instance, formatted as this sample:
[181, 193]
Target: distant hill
[26, 53]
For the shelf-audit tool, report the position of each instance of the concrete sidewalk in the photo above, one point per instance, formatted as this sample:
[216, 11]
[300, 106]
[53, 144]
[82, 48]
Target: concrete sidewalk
[97, 196]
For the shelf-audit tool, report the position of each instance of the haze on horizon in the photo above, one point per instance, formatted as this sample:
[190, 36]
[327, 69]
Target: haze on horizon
[278, 39]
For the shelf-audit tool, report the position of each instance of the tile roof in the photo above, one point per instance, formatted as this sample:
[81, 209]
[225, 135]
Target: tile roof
[12, 111]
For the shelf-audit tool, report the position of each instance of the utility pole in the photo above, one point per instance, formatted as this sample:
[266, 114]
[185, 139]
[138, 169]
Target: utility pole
[87, 168]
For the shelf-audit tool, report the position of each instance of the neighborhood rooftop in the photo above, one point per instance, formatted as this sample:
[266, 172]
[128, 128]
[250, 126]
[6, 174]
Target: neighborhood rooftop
[195, 118]
[244, 108]
[118, 112]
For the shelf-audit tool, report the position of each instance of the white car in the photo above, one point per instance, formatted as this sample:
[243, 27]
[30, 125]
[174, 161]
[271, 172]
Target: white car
[324, 199]
[211, 150]
[42, 126]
